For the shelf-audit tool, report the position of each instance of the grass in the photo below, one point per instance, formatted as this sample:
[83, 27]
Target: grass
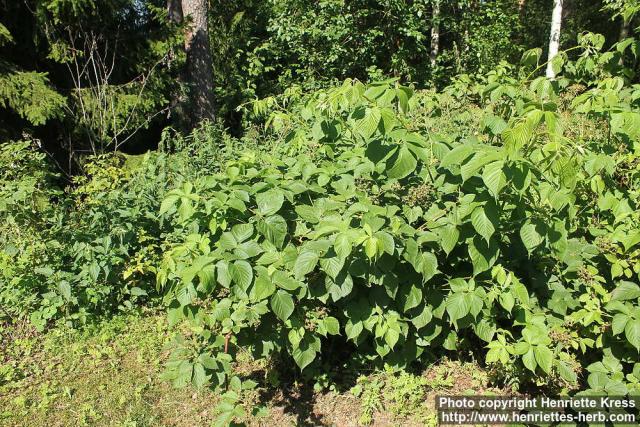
[108, 375]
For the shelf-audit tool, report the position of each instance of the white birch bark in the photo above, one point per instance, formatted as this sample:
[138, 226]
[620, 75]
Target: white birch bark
[435, 33]
[554, 38]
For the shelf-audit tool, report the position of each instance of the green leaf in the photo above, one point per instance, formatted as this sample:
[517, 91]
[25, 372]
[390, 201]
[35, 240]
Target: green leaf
[262, 288]
[65, 290]
[332, 325]
[485, 330]
[391, 337]
[625, 291]
[282, 305]
[423, 319]
[457, 306]
[305, 263]
[274, 229]
[303, 357]
[618, 323]
[401, 164]
[186, 294]
[369, 123]
[241, 274]
[483, 224]
[200, 377]
[282, 280]
[471, 167]
[242, 232]
[457, 155]
[482, 256]
[343, 245]
[413, 298]
[332, 266]
[429, 266]
[544, 357]
[517, 137]
[529, 360]
[632, 332]
[168, 203]
[494, 177]
[449, 235]
[136, 291]
[371, 247]
[224, 275]
[507, 301]
[269, 202]
[566, 373]
[353, 330]
[530, 236]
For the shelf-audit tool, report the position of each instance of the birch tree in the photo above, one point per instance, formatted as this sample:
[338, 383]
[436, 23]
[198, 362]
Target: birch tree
[435, 33]
[554, 38]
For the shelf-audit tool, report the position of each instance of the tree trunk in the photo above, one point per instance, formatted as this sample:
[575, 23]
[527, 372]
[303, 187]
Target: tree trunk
[554, 38]
[199, 68]
[174, 9]
[435, 34]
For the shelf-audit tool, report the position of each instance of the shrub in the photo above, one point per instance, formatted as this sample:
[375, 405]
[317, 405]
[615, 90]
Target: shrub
[382, 242]
[91, 249]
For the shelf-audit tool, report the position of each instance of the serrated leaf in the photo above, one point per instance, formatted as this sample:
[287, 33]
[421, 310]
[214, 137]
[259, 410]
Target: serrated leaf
[457, 306]
[529, 360]
[391, 337]
[305, 263]
[566, 373]
[269, 202]
[332, 266]
[625, 291]
[423, 319]
[494, 177]
[168, 203]
[429, 266]
[282, 304]
[242, 232]
[481, 221]
[282, 280]
[482, 256]
[413, 298]
[332, 325]
[369, 123]
[485, 330]
[303, 357]
[200, 377]
[618, 323]
[241, 274]
[65, 289]
[544, 358]
[449, 235]
[457, 155]
[224, 275]
[263, 288]
[274, 229]
[401, 163]
[343, 245]
[632, 332]
[530, 236]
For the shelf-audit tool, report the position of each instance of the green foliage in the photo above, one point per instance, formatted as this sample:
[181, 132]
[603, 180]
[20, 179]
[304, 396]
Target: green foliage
[508, 244]
[29, 94]
[90, 249]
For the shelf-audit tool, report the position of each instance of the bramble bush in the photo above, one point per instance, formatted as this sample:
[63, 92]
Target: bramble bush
[366, 236]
